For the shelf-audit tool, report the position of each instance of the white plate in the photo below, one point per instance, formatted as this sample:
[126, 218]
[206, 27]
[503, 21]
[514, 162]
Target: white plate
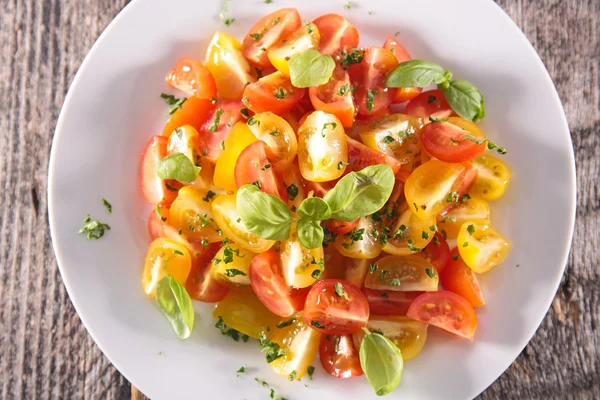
[113, 107]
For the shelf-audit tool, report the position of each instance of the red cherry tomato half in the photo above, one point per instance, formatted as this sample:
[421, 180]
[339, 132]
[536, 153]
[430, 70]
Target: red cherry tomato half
[462, 185]
[430, 103]
[448, 142]
[371, 94]
[193, 112]
[200, 285]
[255, 164]
[457, 277]
[335, 97]
[193, 78]
[268, 31]
[339, 357]
[268, 284]
[389, 302]
[341, 227]
[403, 94]
[218, 124]
[157, 221]
[154, 189]
[361, 156]
[336, 307]
[447, 311]
[337, 35]
[273, 93]
[436, 252]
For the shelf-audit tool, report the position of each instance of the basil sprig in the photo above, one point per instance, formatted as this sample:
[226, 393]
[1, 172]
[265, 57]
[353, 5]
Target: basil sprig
[175, 303]
[177, 166]
[463, 97]
[264, 215]
[310, 68]
[382, 362]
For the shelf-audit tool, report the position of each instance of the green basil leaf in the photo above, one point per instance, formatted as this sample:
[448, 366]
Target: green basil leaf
[310, 233]
[310, 68]
[264, 215]
[382, 362]
[315, 208]
[361, 193]
[416, 73]
[178, 167]
[175, 303]
[465, 99]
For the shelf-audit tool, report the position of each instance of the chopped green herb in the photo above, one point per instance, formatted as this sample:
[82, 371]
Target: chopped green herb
[317, 324]
[310, 371]
[412, 248]
[465, 198]
[285, 323]
[292, 376]
[280, 94]
[435, 119]
[205, 243]
[339, 289]
[355, 56]
[173, 102]
[230, 273]
[431, 99]
[435, 241]
[373, 268]
[336, 341]
[370, 99]
[256, 36]
[170, 187]
[252, 121]
[471, 229]
[465, 244]
[433, 228]
[271, 349]
[158, 212]
[292, 192]
[388, 140]
[425, 235]
[245, 112]
[451, 219]
[268, 1]
[430, 272]
[452, 197]
[93, 229]
[342, 164]
[214, 126]
[107, 205]
[242, 369]
[227, 331]
[382, 274]
[348, 5]
[178, 252]
[209, 195]
[229, 21]
[274, 133]
[455, 257]
[394, 282]
[416, 208]
[332, 124]
[343, 90]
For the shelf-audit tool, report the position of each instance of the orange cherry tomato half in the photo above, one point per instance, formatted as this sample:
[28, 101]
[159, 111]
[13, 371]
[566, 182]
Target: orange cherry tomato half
[268, 284]
[255, 164]
[361, 156]
[154, 189]
[193, 78]
[218, 124]
[457, 277]
[336, 307]
[339, 357]
[371, 94]
[436, 252]
[447, 311]
[403, 94]
[335, 97]
[430, 103]
[157, 221]
[448, 142]
[268, 31]
[274, 93]
[200, 285]
[389, 302]
[462, 185]
[337, 35]
[193, 112]
[341, 227]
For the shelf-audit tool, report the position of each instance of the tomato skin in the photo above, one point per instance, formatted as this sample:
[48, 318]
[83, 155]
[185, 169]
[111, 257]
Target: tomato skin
[255, 164]
[341, 227]
[327, 97]
[157, 223]
[229, 115]
[446, 141]
[337, 35]
[270, 33]
[193, 112]
[430, 103]
[330, 314]
[389, 302]
[342, 362]
[460, 279]
[200, 285]
[374, 68]
[447, 311]
[154, 189]
[268, 284]
[437, 254]
[361, 156]
[403, 94]
[193, 78]
[260, 96]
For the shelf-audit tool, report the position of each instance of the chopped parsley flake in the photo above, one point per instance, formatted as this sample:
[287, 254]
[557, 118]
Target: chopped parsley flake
[394, 282]
[430, 272]
[271, 349]
[93, 229]
[287, 322]
[471, 229]
[355, 56]
[215, 124]
[227, 331]
[107, 205]
[230, 273]
[339, 289]
[370, 99]
[292, 192]
[209, 195]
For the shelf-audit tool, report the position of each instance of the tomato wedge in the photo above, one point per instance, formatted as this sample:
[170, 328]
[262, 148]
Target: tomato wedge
[341, 227]
[450, 143]
[200, 285]
[436, 252]
[457, 277]
[430, 103]
[336, 307]
[157, 221]
[447, 311]
[389, 302]
[193, 78]
[403, 94]
[372, 95]
[337, 35]
[339, 357]
[218, 124]
[335, 97]
[154, 189]
[361, 156]
[268, 31]
[274, 93]
[461, 187]
[268, 284]
[193, 112]
[255, 164]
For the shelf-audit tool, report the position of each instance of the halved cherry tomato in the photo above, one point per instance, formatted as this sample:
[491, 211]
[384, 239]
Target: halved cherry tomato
[273, 93]
[469, 210]
[389, 302]
[255, 164]
[268, 31]
[231, 265]
[228, 66]
[239, 138]
[339, 357]
[481, 246]
[361, 156]
[164, 257]
[362, 242]
[193, 78]
[200, 285]
[268, 284]
[445, 310]
[156, 222]
[185, 140]
[337, 35]
[371, 93]
[277, 133]
[437, 252]
[336, 307]
[338, 266]
[410, 234]
[298, 263]
[341, 227]
[462, 185]
[154, 189]
[335, 97]
[403, 94]
[403, 274]
[430, 103]
[192, 214]
[492, 179]
[219, 122]
[304, 38]
[193, 111]
[460, 279]
[450, 143]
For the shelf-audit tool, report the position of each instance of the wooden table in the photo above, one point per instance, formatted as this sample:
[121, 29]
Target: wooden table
[45, 352]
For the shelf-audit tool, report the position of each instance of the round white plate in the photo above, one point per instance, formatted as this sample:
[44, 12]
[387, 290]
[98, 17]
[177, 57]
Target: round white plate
[113, 107]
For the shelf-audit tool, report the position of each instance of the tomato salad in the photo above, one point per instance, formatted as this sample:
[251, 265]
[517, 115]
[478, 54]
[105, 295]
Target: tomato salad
[329, 198]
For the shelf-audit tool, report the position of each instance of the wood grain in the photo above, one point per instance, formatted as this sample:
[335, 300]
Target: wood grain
[46, 353]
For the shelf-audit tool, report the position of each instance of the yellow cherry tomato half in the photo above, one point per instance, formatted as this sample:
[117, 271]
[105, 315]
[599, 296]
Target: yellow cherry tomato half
[492, 178]
[481, 246]
[410, 234]
[239, 138]
[165, 256]
[361, 242]
[406, 333]
[305, 38]
[277, 133]
[472, 209]
[403, 274]
[231, 265]
[298, 262]
[191, 213]
[322, 147]
[185, 140]
[230, 222]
